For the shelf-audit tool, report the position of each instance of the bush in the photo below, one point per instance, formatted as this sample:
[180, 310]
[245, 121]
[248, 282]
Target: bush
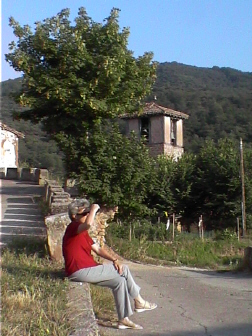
[226, 234]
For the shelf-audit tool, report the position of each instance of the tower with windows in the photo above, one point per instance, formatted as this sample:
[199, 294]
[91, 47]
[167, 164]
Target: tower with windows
[160, 127]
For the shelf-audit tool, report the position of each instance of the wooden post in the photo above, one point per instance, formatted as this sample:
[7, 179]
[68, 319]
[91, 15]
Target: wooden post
[243, 191]
[173, 226]
[130, 233]
[238, 229]
[202, 227]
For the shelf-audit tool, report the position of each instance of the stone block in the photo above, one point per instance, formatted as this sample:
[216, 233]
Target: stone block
[81, 309]
[2, 175]
[40, 176]
[3, 172]
[247, 261]
[59, 207]
[57, 197]
[52, 191]
[12, 174]
[56, 226]
[49, 183]
[26, 174]
[70, 186]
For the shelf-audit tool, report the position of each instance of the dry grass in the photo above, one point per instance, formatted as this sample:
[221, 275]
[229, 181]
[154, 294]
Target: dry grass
[103, 303]
[33, 292]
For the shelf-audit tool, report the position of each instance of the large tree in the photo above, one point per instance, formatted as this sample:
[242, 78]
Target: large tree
[75, 75]
[115, 169]
[217, 186]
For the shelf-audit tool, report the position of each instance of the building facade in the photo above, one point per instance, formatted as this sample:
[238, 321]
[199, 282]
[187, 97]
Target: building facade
[9, 146]
[161, 127]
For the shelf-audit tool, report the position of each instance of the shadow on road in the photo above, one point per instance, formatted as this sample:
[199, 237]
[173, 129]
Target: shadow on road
[231, 330]
[229, 274]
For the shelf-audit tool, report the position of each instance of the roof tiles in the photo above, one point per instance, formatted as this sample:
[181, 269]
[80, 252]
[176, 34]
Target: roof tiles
[155, 109]
[12, 130]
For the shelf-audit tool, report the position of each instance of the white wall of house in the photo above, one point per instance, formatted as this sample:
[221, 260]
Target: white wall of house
[9, 149]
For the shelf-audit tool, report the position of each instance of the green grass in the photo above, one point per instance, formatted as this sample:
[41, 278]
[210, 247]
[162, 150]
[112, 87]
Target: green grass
[33, 292]
[184, 250]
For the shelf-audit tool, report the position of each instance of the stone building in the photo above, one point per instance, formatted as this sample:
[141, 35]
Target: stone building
[161, 127]
[9, 147]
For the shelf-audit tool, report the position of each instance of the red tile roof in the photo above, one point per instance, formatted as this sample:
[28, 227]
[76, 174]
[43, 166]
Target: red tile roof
[155, 109]
[12, 130]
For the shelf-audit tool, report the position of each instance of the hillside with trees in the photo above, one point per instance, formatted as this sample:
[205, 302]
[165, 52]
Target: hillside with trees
[218, 101]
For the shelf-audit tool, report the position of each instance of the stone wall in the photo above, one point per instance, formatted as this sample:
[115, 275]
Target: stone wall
[56, 198]
[56, 226]
[36, 175]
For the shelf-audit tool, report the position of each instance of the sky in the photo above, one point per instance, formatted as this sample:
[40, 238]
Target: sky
[202, 33]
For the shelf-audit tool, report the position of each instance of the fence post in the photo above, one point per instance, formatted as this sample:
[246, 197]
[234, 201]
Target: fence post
[201, 229]
[173, 226]
[238, 229]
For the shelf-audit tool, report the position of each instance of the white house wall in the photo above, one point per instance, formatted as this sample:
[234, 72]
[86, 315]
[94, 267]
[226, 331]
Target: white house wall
[167, 130]
[9, 150]
[180, 133]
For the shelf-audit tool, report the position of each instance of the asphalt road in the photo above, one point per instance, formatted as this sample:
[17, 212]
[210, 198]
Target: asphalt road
[192, 302]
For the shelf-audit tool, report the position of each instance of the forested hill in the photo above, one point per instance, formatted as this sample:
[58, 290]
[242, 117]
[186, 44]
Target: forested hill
[218, 101]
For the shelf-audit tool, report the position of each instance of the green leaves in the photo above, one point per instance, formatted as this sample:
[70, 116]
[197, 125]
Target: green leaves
[114, 170]
[217, 180]
[81, 71]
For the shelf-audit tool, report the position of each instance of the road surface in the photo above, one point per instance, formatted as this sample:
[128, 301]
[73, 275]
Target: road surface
[192, 302]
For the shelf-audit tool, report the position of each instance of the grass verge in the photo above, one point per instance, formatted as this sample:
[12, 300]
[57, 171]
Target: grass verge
[33, 292]
[104, 308]
[184, 250]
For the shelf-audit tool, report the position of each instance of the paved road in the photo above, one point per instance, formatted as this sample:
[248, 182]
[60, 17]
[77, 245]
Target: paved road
[20, 215]
[192, 302]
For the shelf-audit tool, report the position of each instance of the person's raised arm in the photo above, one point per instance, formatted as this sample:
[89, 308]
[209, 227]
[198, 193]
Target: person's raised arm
[88, 220]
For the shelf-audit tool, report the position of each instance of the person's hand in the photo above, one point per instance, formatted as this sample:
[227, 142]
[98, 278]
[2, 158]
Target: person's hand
[118, 266]
[95, 207]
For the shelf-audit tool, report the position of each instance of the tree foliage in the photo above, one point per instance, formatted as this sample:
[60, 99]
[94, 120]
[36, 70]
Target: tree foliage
[160, 194]
[77, 75]
[115, 170]
[217, 185]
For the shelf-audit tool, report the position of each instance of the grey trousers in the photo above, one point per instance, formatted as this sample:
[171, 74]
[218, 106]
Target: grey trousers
[123, 286]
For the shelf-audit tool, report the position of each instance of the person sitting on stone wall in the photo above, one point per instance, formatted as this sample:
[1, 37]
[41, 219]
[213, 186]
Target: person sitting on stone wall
[80, 265]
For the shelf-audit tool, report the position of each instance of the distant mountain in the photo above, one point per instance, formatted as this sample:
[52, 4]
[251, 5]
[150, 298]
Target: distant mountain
[218, 101]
